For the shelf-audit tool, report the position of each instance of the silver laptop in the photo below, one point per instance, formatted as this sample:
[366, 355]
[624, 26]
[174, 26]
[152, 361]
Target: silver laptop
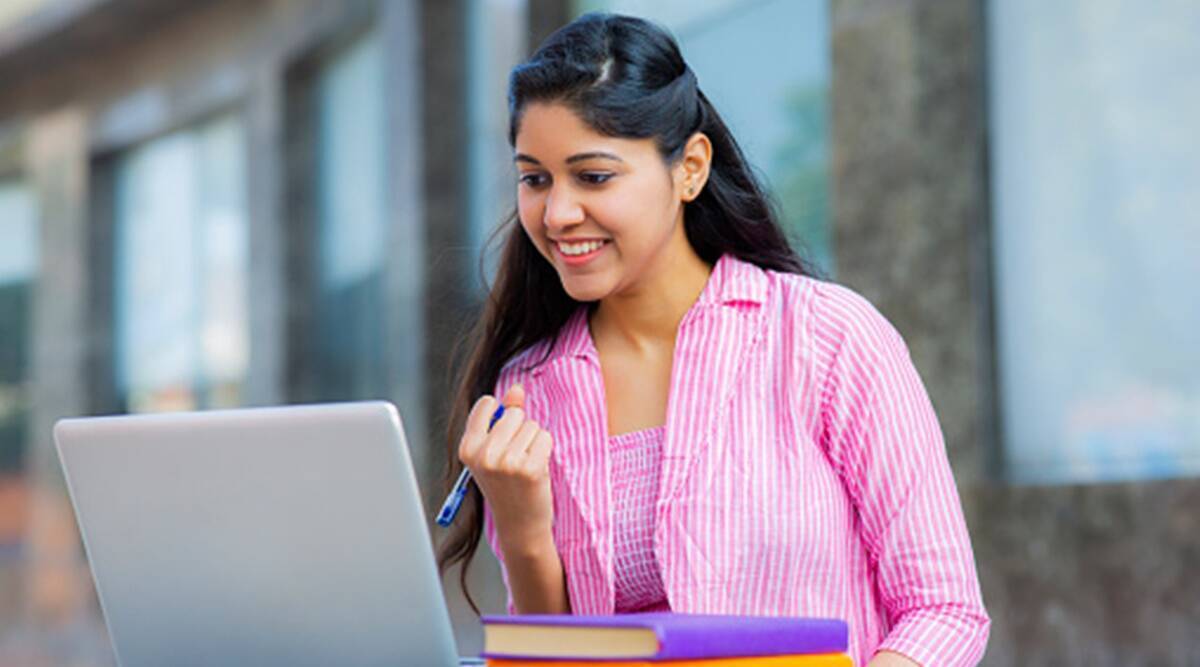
[273, 536]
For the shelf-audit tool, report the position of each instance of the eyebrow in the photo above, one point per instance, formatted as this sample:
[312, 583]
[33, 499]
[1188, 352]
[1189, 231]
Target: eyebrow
[578, 157]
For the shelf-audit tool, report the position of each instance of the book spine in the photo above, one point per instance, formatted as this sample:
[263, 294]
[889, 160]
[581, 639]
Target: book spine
[811, 660]
[681, 643]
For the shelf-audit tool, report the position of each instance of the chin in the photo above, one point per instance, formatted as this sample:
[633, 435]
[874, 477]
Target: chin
[586, 290]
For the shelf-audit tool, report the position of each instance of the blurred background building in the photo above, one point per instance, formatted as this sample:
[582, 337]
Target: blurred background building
[213, 203]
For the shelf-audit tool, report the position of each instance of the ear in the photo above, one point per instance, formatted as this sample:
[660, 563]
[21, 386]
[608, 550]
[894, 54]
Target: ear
[691, 172]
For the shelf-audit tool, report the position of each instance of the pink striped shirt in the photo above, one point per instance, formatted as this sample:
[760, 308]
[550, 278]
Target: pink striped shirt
[803, 470]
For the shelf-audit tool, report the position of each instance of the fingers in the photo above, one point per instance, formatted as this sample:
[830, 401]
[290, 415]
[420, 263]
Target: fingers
[514, 397]
[513, 458]
[514, 444]
[502, 433]
[476, 430]
[538, 457]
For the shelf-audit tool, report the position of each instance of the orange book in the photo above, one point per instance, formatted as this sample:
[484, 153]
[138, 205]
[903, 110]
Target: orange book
[810, 660]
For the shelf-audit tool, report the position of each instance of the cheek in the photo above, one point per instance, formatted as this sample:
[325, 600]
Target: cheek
[529, 212]
[636, 215]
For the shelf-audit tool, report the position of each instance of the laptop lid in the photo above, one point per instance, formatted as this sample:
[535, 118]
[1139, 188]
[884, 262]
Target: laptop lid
[271, 536]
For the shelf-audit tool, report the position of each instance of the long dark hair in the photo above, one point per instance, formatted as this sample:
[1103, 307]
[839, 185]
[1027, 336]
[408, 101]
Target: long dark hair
[625, 77]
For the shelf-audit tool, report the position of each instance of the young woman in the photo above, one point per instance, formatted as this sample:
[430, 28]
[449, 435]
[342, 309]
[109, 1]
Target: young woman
[694, 421]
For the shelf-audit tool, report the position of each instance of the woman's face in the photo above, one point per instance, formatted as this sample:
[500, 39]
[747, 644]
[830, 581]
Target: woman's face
[604, 211]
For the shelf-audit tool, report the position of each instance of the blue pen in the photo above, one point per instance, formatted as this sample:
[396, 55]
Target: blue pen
[459, 492]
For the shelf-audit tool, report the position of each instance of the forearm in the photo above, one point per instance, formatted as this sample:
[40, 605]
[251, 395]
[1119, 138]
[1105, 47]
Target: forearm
[891, 659]
[536, 578]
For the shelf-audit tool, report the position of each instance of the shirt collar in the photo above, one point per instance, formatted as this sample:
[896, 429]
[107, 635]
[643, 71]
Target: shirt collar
[734, 281]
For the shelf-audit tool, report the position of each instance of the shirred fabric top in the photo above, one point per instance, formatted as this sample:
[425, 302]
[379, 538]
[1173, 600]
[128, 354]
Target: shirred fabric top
[636, 473]
[804, 472]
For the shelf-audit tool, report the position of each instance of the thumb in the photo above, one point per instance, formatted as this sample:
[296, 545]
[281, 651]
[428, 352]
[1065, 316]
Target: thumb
[514, 397]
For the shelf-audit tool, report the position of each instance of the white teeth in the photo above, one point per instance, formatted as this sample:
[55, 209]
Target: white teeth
[579, 248]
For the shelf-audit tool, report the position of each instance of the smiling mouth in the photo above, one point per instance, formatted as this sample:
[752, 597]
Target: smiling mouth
[579, 254]
[579, 249]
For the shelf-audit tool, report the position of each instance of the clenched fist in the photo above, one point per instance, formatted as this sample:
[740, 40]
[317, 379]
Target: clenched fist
[511, 465]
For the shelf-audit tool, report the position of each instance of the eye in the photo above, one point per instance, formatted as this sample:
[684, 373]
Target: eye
[595, 177]
[532, 179]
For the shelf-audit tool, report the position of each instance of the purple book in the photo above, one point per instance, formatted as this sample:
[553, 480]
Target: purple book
[658, 636]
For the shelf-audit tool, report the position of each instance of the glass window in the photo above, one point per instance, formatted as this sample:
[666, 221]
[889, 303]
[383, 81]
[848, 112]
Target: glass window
[765, 66]
[181, 270]
[1096, 162]
[19, 250]
[347, 339]
[495, 44]
[18, 269]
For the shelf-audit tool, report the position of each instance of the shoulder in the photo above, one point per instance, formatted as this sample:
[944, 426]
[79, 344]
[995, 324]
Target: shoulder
[833, 322]
[828, 304]
[843, 314]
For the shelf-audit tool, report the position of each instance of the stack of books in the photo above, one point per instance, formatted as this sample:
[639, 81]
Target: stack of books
[664, 640]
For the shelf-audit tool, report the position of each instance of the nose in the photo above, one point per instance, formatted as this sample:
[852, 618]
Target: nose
[562, 208]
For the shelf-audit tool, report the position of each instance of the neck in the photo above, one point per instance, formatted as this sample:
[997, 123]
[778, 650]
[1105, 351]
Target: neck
[648, 315]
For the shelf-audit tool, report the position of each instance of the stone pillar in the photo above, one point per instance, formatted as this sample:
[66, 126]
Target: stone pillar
[266, 273]
[546, 16]
[59, 589]
[449, 261]
[909, 196]
[405, 277]
[449, 268]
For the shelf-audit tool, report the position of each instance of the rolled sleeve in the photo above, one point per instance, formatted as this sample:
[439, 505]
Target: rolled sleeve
[883, 436]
